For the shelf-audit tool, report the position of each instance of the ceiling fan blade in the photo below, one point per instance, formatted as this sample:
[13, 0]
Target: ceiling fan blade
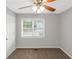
[25, 7]
[49, 8]
[50, 0]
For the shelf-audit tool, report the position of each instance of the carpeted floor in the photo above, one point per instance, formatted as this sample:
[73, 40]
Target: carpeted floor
[38, 54]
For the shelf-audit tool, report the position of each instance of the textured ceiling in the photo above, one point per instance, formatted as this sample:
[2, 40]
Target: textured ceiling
[61, 6]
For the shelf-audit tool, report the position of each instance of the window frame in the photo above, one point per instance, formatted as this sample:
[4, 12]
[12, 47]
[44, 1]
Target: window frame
[33, 19]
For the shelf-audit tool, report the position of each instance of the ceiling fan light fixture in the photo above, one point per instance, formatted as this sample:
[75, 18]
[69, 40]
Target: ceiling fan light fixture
[38, 11]
[35, 9]
[42, 8]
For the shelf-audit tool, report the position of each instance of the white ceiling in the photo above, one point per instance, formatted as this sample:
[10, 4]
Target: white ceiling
[61, 6]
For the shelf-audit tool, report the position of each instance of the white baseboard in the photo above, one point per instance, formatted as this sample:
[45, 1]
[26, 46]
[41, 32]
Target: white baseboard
[66, 52]
[40, 47]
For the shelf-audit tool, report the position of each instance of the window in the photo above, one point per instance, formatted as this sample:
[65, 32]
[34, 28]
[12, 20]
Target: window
[32, 27]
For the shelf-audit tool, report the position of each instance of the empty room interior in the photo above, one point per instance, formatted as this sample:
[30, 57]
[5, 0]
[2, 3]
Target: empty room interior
[38, 29]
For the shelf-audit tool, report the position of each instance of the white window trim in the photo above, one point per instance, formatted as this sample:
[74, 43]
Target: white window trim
[24, 36]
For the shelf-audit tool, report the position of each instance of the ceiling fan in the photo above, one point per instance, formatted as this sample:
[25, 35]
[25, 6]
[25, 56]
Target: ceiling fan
[41, 5]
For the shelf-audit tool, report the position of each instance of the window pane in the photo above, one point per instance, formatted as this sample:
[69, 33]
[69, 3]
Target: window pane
[27, 27]
[38, 28]
[38, 25]
[27, 24]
